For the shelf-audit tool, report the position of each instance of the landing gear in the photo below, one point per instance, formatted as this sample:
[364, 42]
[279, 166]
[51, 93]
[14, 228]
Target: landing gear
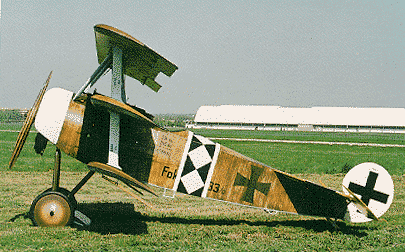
[52, 209]
[57, 206]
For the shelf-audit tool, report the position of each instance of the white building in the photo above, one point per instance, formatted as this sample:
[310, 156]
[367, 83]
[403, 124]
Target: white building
[383, 120]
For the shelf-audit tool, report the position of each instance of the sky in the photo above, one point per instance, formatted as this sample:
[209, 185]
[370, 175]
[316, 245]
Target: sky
[282, 53]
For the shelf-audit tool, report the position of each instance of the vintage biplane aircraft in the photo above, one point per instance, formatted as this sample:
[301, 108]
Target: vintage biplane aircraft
[122, 141]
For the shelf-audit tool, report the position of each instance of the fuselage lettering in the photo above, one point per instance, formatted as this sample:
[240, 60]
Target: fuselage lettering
[169, 174]
[214, 187]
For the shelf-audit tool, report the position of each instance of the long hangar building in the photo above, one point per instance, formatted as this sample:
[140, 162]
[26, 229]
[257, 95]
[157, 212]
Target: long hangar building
[324, 119]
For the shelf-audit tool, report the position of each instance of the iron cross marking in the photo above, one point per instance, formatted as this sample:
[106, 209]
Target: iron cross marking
[367, 192]
[252, 184]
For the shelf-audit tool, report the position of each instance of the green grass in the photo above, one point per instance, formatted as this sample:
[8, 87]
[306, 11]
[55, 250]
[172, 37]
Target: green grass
[186, 223]
[314, 158]
[12, 126]
[29, 160]
[307, 136]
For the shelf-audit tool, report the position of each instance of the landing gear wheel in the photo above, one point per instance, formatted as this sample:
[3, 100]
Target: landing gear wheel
[52, 209]
[65, 192]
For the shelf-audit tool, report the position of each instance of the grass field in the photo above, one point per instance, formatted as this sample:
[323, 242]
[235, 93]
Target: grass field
[307, 136]
[186, 223]
[315, 158]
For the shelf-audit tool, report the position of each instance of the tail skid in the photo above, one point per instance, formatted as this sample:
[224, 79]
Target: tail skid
[361, 206]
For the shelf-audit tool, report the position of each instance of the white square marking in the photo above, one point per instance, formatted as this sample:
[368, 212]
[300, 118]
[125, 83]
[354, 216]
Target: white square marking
[200, 157]
[192, 182]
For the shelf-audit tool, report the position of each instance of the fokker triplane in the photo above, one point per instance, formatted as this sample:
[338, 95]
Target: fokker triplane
[122, 141]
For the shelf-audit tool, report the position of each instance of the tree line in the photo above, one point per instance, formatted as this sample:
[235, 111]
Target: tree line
[165, 120]
[173, 120]
[12, 115]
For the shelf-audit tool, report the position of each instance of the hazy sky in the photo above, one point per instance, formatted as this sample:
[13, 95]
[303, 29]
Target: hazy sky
[285, 53]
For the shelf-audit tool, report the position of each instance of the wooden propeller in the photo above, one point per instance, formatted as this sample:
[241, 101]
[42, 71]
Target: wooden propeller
[22, 136]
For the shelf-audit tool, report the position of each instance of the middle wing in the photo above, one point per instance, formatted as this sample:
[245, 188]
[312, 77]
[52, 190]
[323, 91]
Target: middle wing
[120, 108]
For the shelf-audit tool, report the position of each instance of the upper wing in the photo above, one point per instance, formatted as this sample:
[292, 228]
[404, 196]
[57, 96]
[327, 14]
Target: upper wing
[140, 62]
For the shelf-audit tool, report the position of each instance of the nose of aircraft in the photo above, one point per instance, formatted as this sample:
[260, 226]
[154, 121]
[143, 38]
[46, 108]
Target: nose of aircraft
[52, 112]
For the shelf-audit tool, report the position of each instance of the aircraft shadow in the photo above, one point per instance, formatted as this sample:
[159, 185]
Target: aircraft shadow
[121, 218]
[113, 218]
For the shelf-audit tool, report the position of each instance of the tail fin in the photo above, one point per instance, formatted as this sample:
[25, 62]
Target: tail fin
[370, 189]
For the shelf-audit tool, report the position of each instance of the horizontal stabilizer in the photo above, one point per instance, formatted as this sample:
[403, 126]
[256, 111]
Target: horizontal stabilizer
[140, 62]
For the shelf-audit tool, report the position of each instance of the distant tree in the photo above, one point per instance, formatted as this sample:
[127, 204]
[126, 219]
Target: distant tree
[173, 120]
[11, 115]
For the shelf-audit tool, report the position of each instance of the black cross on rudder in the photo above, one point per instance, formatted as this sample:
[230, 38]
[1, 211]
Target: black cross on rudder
[367, 192]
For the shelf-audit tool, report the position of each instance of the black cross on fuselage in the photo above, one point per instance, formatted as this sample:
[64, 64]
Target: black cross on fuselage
[367, 192]
[252, 184]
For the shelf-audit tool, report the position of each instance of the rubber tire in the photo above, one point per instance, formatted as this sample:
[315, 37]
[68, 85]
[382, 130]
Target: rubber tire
[52, 209]
[66, 192]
